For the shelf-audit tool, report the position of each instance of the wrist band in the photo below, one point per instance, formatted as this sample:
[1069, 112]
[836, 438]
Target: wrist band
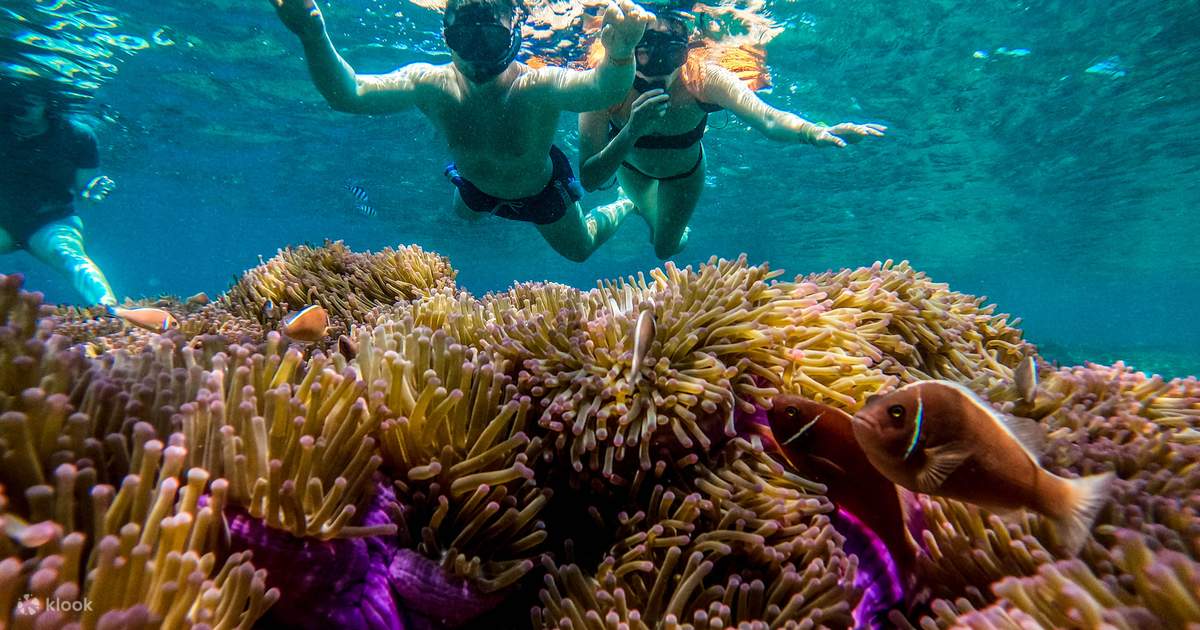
[625, 61]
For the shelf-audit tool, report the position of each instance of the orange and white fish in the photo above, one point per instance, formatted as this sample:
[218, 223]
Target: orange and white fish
[644, 331]
[1026, 380]
[152, 319]
[267, 312]
[818, 441]
[940, 438]
[308, 324]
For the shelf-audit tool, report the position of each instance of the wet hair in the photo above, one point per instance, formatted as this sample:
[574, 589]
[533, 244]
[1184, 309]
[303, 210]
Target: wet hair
[678, 24]
[509, 8]
[60, 102]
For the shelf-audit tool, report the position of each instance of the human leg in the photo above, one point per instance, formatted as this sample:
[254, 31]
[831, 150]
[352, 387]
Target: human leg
[60, 245]
[666, 204]
[643, 191]
[675, 203]
[578, 234]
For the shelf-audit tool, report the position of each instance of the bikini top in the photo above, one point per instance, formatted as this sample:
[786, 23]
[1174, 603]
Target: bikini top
[676, 141]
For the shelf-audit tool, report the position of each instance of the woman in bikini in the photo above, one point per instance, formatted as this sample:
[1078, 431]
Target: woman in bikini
[652, 143]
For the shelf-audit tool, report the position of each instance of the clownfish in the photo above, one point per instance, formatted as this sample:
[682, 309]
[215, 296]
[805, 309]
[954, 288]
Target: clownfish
[1025, 379]
[940, 438]
[152, 319]
[308, 324]
[644, 331]
[818, 441]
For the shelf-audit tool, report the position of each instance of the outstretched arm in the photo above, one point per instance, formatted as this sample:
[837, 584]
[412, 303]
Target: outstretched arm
[723, 88]
[608, 82]
[82, 186]
[342, 88]
[600, 157]
[86, 185]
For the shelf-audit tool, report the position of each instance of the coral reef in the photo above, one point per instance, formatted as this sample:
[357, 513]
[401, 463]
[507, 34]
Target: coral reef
[345, 283]
[442, 460]
[453, 440]
[105, 520]
[746, 546]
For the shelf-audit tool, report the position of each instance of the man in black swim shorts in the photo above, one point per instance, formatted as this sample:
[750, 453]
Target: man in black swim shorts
[499, 115]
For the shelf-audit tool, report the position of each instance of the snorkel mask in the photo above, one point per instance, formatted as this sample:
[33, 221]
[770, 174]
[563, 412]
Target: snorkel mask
[476, 33]
[661, 53]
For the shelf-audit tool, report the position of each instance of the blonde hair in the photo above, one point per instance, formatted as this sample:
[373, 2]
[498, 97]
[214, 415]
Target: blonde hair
[747, 61]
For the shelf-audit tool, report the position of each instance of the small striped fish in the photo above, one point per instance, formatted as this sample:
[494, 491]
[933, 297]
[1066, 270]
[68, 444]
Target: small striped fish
[362, 202]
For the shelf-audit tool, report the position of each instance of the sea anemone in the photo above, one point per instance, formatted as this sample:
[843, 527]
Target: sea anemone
[453, 439]
[928, 330]
[446, 460]
[688, 563]
[97, 332]
[1153, 589]
[155, 549]
[458, 313]
[347, 284]
[294, 440]
[95, 502]
[724, 339]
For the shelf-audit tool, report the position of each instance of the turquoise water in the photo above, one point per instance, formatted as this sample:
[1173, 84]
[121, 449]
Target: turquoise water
[1069, 197]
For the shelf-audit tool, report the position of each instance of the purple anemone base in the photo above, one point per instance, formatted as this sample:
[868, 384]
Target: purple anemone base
[878, 575]
[355, 583]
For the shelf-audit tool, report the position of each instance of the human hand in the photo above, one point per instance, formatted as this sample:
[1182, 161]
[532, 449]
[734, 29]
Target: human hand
[98, 188]
[646, 111]
[846, 133]
[624, 24]
[302, 17]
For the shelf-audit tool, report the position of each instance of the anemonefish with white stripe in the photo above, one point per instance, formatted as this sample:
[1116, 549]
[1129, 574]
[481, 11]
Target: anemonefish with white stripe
[1025, 378]
[818, 441]
[308, 324]
[644, 330]
[152, 319]
[940, 438]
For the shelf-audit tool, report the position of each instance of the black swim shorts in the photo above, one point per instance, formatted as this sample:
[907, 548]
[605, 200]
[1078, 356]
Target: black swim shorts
[22, 226]
[544, 208]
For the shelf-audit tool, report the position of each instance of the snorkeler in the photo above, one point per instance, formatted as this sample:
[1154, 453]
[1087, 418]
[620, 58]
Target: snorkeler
[47, 159]
[499, 115]
[651, 142]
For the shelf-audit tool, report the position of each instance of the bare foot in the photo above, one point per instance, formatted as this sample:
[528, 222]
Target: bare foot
[618, 210]
[683, 240]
